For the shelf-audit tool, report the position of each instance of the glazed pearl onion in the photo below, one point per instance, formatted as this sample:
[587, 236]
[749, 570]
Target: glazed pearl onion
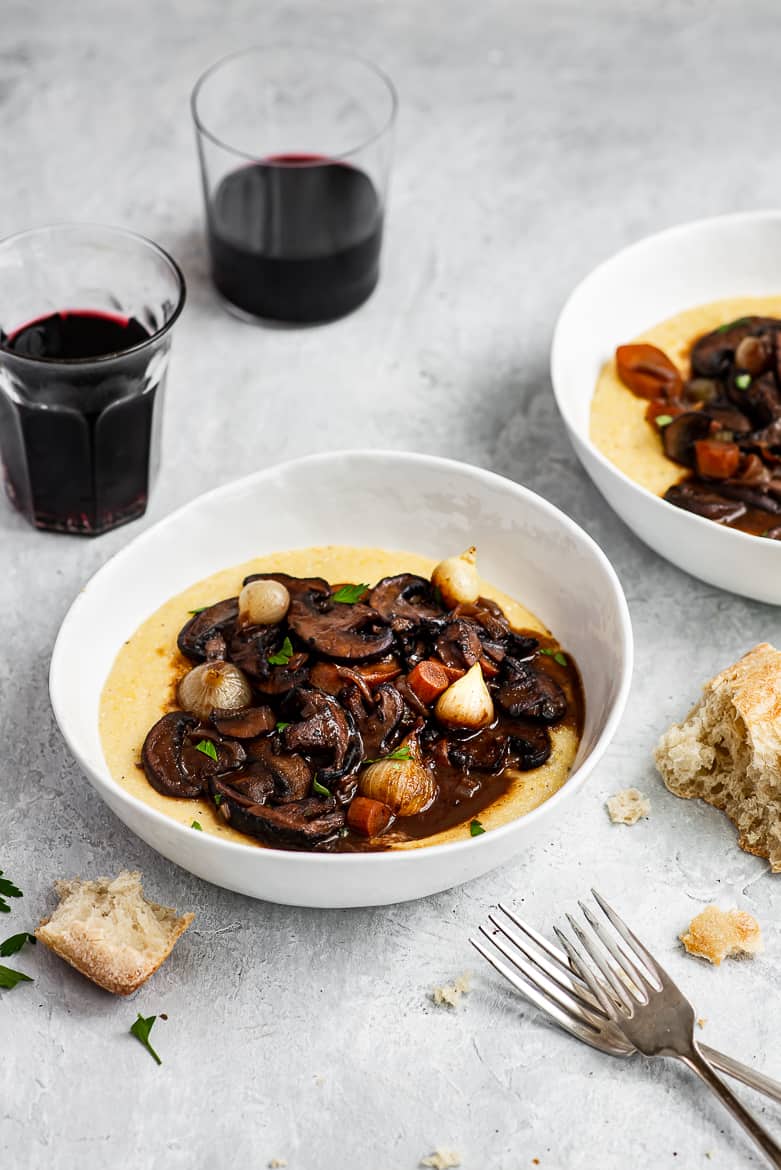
[263, 603]
[214, 685]
[457, 580]
[467, 702]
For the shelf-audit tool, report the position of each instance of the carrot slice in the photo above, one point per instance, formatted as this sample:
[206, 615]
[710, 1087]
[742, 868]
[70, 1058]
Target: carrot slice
[647, 371]
[369, 817]
[715, 459]
[428, 680]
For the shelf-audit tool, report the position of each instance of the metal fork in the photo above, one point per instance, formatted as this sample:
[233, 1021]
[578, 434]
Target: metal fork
[614, 996]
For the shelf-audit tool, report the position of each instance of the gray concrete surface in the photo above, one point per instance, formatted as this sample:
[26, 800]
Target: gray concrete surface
[534, 140]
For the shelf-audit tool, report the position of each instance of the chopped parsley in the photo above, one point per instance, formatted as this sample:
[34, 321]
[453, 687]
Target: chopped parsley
[9, 978]
[217, 799]
[15, 943]
[731, 324]
[401, 753]
[556, 655]
[199, 610]
[743, 381]
[475, 829]
[141, 1029]
[207, 747]
[197, 825]
[663, 420]
[281, 725]
[320, 789]
[349, 594]
[8, 889]
[283, 656]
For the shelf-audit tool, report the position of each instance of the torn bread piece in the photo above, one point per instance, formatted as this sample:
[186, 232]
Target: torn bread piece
[110, 932]
[628, 806]
[727, 750]
[449, 995]
[442, 1160]
[717, 934]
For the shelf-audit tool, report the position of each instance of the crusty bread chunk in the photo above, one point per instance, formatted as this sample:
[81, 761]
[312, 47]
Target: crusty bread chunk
[110, 932]
[716, 934]
[628, 806]
[727, 750]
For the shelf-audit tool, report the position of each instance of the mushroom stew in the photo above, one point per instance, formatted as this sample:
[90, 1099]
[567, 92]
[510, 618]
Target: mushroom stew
[722, 423]
[345, 717]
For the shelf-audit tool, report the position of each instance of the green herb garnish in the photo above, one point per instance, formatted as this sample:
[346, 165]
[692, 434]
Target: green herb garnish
[15, 943]
[199, 610]
[320, 789]
[9, 978]
[217, 799]
[743, 381]
[475, 829]
[280, 725]
[731, 324]
[401, 753]
[207, 747]
[141, 1030]
[556, 655]
[349, 594]
[8, 889]
[197, 825]
[283, 656]
[663, 420]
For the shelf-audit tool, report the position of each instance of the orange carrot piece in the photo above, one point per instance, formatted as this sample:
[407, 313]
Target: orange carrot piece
[428, 680]
[715, 459]
[369, 817]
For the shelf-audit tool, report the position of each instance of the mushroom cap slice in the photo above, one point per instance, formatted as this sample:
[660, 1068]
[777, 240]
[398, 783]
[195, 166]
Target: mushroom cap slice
[405, 600]
[172, 762]
[712, 354]
[299, 825]
[326, 736]
[531, 693]
[212, 625]
[352, 633]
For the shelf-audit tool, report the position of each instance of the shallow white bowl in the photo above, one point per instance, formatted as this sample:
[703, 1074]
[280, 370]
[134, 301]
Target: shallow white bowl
[412, 502]
[727, 256]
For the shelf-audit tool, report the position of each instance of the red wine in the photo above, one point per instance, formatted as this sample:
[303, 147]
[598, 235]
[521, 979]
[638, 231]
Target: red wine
[295, 238]
[76, 440]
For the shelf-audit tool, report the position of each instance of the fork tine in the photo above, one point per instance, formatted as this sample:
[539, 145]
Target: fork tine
[559, 959]
[528, 990]
[596, 957]
[623, 960]
[631, 940]
[562, 975]
[531, 970]
[599, 989]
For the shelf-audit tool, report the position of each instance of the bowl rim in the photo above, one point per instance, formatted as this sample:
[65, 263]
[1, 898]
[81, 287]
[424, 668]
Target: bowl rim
[103, 780]
[739, 539]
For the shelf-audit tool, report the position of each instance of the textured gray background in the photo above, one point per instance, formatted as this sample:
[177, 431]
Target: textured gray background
[534, 140]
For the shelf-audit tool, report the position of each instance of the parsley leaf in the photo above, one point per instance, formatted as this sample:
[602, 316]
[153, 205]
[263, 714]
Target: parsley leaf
[141, 1030]
[207, 747]
[197, 825]
[743, 381]
[280, 725]
[199, 610]
[475, 829]
[731, 325]
[401, 753]
[9, 978]
[556, 655]
[8, 889]
[320, 789]
[15, 943]
[283, 656]
[349, 594]
[663, 420]
[218, 799]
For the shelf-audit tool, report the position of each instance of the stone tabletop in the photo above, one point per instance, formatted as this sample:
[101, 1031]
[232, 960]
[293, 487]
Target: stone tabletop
[534, 140]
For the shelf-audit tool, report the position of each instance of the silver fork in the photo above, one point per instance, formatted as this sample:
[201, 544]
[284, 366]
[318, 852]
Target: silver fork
[612, 994]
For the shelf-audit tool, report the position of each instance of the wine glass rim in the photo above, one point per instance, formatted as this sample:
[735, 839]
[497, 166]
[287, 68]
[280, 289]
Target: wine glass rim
[324, 51]
[67, 226]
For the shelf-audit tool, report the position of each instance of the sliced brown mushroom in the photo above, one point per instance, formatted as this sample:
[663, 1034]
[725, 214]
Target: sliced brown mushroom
[405, 601]
[714, 353]
[531, 693]
[246, 723]
[299, 825]
[172, 762]
[326, 735]
[694, 496]
[516, 743]
[251, 648]
[289, 773]
[680, 435]
[207, 632]
[459, 645]
[381, 725]
[348, 632]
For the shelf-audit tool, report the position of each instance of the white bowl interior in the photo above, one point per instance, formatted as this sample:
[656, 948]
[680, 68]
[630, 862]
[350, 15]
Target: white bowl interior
[728, 256]
[397, 501]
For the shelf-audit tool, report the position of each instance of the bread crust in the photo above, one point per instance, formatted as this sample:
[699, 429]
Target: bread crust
[727, 751]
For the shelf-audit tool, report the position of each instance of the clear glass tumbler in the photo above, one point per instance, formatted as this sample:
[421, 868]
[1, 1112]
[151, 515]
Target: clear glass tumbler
[85, 332]
[295, 149]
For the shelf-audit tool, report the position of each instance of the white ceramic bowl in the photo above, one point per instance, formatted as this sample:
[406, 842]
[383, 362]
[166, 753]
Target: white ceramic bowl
[412, 502]
[728, 256]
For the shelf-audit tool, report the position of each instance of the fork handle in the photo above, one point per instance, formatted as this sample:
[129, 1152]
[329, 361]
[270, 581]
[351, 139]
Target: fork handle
[742, 1072]
[698, 1064]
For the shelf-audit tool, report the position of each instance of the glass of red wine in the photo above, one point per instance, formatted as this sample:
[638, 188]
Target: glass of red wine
[85, 332]
[295, 150]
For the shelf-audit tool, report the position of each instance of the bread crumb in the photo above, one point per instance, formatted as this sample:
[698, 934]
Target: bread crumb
[628, 806]
[277, 1163]
[701, 1021]
[319, 1080]
[110, 932]
[717, 934]
[449, 994]
[442, 1160]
